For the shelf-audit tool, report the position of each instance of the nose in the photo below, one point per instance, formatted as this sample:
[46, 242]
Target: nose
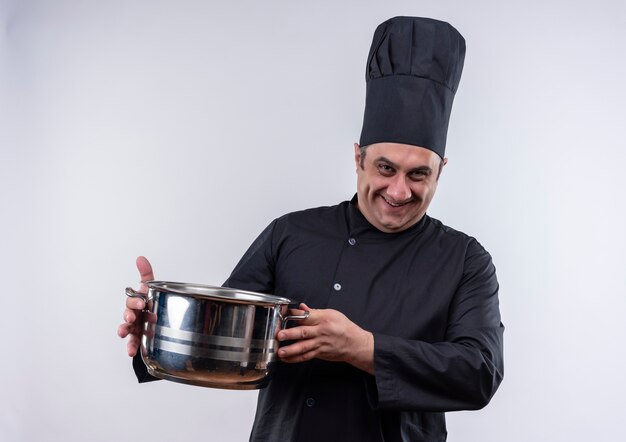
[398, 189]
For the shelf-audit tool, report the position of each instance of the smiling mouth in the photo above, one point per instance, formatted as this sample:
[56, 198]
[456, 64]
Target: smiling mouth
[394, 204]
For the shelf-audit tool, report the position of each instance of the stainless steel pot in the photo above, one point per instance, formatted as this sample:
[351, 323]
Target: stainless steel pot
[211, 336]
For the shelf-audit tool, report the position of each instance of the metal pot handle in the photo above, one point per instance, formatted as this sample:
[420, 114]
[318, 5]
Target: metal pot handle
[302, 317]
[131, 293]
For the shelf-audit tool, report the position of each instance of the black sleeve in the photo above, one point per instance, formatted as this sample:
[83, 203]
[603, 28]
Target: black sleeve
[141, 371]
[460, 373]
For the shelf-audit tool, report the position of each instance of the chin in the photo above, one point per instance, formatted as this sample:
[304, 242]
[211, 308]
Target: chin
[400, 224]
[393, 227]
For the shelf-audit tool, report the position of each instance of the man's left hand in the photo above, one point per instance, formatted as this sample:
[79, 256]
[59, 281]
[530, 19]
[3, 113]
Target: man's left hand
[329, 335]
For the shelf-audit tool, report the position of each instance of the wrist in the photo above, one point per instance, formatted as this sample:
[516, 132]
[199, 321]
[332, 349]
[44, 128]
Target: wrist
[363, 356]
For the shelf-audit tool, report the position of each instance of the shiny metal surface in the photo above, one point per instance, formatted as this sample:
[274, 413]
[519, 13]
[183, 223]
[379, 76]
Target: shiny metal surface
[211, 336]
[214, 292]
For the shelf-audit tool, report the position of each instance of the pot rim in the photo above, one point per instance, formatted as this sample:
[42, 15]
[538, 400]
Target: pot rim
[229, 294]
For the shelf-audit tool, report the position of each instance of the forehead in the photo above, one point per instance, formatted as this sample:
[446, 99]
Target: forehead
[404, 155]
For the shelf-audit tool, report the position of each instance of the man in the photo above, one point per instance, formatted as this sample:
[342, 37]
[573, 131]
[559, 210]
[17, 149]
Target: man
[404, 321]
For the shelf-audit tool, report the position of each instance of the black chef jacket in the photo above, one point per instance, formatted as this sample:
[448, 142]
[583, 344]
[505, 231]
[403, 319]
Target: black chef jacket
[429, 295]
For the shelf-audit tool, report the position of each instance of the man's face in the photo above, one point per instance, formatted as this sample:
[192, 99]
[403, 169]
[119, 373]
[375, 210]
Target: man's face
[395, 184]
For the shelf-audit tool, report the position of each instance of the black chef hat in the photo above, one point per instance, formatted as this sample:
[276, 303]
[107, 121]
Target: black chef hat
[413, 71]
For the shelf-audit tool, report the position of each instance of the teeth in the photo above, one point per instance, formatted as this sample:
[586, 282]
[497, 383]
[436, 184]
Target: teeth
[392, 204]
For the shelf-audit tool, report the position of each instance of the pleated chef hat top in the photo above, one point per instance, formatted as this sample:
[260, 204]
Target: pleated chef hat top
[413, 71]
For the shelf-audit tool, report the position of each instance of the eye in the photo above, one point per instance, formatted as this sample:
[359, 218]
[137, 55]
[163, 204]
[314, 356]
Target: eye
[385, 169]
[418, 175]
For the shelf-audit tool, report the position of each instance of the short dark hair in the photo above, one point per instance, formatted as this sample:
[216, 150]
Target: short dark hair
[362, 150]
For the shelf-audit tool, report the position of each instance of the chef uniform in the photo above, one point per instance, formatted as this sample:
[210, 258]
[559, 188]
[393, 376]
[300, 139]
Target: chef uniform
[429, 294]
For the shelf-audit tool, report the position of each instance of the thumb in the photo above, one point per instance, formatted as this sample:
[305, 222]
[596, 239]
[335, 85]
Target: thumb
[305, 307]
[145, 269]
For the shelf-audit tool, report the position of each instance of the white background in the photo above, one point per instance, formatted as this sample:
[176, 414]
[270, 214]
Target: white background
[178, 130]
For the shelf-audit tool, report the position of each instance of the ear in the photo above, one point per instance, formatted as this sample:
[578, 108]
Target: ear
[357, 155]
[443, 163]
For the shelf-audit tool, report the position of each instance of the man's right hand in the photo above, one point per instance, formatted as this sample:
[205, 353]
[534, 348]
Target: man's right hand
[133, 316]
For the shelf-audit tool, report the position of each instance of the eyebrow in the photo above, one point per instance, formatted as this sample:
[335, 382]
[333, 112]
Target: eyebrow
[422, 169]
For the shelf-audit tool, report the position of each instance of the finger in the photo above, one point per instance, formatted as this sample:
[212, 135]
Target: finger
[129, 328]
[123, 330]
[298, 349]
[313, 314]
[135, 303]
[145, 269]
[300, 358]
[129, 316]
[133, 345]
[296, 333]
[137, 317]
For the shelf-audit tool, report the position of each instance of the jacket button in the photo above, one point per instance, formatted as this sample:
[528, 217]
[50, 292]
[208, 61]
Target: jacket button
[310, 402]
[337, 286]
[352, 241]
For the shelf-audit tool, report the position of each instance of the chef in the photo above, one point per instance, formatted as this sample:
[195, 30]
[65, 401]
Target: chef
[404, 322]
